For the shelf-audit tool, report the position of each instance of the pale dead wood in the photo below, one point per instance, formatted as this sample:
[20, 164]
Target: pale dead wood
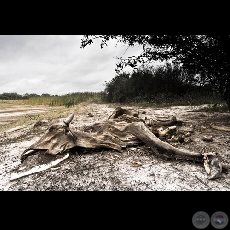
[38, 168]
[173, 121]
[163, 132]
[142, 132]
[163, 122]
[221, 128]
[119, 112]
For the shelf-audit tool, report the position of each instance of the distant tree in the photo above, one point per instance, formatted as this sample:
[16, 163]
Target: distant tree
[45, 95]
[25, 96]
[205, 55]
[10, 96]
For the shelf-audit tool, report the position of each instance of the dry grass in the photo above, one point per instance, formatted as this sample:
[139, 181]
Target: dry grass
[26, 119]
[8, 104]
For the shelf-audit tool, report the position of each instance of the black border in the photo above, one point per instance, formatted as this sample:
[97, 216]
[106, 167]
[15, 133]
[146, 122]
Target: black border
[155, 209]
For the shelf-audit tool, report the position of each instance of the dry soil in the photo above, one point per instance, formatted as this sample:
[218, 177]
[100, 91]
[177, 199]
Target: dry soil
[135, 168]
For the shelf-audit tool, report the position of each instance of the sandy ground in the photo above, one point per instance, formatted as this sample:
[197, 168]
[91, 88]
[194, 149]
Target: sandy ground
[9, 115]
[135, 168]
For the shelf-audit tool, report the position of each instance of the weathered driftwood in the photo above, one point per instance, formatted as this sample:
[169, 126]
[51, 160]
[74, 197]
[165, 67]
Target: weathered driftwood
[221, 128]
[161, 132]
[115, 134]
[163, 122]
[119, 112]
[38, 168]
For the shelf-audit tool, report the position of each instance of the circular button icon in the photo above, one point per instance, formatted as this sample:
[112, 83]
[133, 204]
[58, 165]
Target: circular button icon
[201, 220]
[219, 220]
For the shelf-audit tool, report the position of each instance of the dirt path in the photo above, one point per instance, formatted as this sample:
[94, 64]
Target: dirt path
[10, 115]
[132, 169]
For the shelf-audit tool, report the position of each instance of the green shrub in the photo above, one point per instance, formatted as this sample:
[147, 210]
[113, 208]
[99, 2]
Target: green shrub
[166, 84]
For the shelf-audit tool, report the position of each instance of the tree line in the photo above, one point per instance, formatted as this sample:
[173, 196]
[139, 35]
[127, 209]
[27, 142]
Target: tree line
[157, 85]
[16, 96]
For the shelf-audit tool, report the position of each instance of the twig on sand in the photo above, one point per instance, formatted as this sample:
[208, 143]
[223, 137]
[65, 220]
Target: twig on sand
[221, 128]
[202, 181]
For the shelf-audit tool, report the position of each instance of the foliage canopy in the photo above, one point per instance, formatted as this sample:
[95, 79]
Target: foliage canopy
[162, 85]
[206, 55]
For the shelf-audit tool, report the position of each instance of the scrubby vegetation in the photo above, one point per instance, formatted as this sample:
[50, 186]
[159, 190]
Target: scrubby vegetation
[66, 100]
[164, 85]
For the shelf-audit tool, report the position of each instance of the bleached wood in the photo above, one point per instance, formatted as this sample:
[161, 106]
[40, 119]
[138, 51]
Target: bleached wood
[38, 168]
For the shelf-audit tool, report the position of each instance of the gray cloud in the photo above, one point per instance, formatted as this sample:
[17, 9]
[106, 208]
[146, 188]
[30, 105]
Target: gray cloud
[55, 64]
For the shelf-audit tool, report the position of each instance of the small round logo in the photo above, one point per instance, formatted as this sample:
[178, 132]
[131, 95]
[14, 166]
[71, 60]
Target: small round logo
[201, 220]
[219, 220]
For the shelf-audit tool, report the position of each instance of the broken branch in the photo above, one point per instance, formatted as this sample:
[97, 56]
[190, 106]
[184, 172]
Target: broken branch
[38, 168]
[221, 128]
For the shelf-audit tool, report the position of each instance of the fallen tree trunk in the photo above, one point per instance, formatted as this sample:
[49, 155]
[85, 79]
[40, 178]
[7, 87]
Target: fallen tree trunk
[142, 132]
[117, 134]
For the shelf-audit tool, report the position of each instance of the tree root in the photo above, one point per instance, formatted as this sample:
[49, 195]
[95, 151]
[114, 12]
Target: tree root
[221, 128]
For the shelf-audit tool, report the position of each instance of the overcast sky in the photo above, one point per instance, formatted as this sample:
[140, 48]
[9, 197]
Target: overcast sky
[55, 64]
